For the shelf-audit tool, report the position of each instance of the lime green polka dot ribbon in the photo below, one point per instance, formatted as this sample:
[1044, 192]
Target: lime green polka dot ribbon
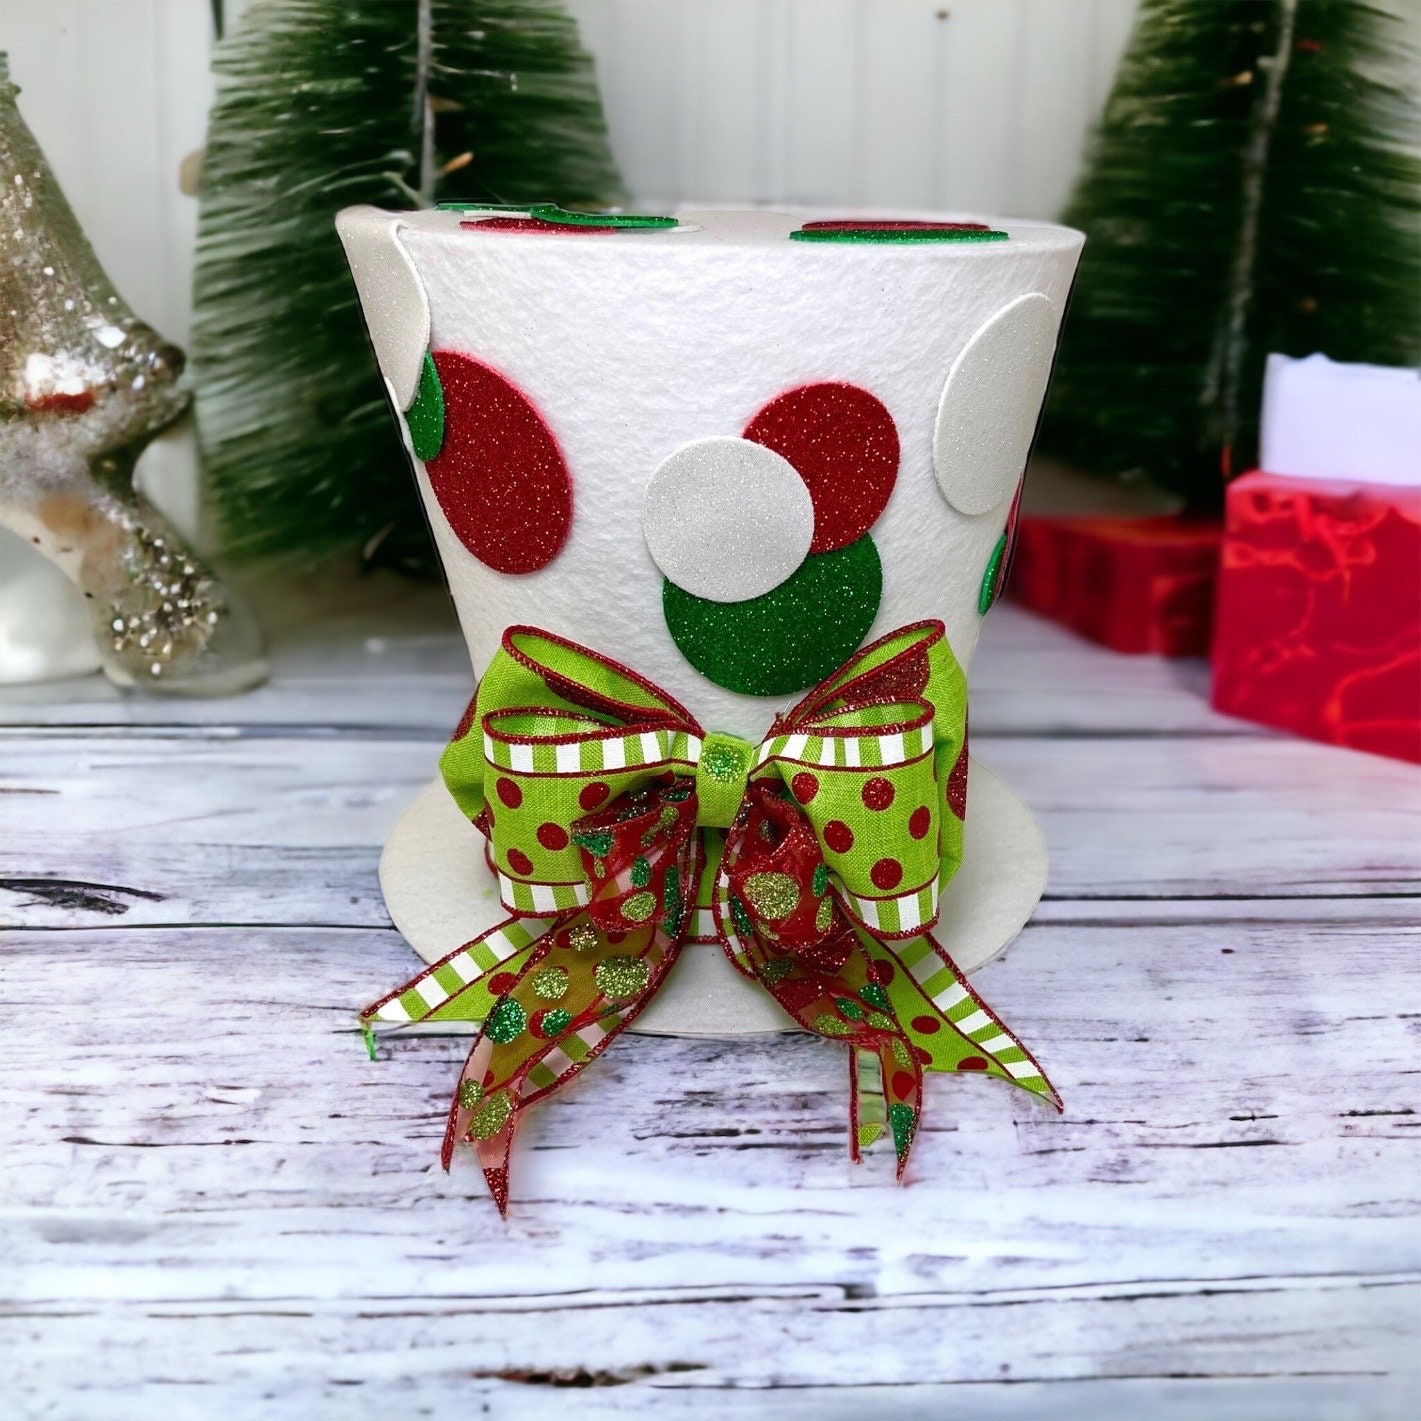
[619, 830]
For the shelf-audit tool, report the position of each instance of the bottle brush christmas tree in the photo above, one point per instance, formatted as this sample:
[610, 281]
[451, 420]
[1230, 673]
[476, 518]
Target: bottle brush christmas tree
[321, 105]
[1248, 190]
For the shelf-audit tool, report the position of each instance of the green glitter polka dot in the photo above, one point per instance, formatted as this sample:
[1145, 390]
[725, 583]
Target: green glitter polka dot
[492, 1115]
[556, 1021]
[551, 212]
[772, 895]
[597, 842]
[741, 918]
[425, 417]
[641, 871]
[639, 907]
[987, 594]
[881, 1021]
[824, 915]
[671, 918]
[776, 970]
[849, 1008]
[820, 880]
[620, 977]
[906, 238]
[583, 938]
[481, 206]
[506, 1022]
[550, 983]
[827, 1025]
[900, 1053]
[904, 1123]
[788, 639]
[875, 996]
[470, 1093]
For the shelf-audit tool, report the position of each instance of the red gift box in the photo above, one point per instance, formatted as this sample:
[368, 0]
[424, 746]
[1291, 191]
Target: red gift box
[1318, 626]
[1132, 584]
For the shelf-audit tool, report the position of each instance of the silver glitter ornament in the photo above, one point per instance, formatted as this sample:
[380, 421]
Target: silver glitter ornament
[84, 386]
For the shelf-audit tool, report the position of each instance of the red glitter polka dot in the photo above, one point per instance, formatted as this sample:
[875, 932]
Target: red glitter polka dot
[971, 1063]
[926, 1025]
[502, 982]
[920, 821]
[957, 784]
[509, 792]
[886, 874]
[552, 836]
[844, 445]
[592, 795]
[919, 1054]
[499, 476]
[877, 792]
[903, 1084]
[519, 862]
[838, 836]
[881, 972]
[805, 786]
[535, 224]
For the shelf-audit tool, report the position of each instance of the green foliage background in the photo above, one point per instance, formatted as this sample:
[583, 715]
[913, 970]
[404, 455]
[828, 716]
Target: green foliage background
[1337, 263]
[317, 108]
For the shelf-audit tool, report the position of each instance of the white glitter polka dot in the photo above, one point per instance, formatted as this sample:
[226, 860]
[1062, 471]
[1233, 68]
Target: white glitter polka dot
[726, 519]
[990, 405]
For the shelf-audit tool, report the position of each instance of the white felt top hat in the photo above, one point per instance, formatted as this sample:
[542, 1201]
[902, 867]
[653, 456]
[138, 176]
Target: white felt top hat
[726, 454]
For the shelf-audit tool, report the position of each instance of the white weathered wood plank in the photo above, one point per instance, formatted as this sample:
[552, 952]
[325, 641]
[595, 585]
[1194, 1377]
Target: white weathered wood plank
[408, 668]
[276, 828]
[219, 1190]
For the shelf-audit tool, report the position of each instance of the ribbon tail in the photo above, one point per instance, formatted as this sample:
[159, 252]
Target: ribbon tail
[868, 1112]
[902, 1098]
[967, 1035]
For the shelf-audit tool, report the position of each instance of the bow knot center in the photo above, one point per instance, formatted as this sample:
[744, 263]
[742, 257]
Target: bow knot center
[722, 774]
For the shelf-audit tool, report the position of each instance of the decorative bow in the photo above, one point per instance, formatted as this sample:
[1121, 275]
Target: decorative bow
[619, 831]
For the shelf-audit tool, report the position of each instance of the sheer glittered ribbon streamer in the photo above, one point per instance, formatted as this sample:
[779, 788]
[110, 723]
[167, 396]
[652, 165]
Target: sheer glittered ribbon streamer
[603, 801]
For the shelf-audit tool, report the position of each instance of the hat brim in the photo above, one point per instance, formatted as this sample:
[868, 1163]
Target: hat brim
[441, 894]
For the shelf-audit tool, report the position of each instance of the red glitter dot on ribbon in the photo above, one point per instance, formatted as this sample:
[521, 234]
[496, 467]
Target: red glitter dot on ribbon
[498, 984]
[902, 1084]
[592, 795]
[499, 476]
[920, 821]
[519, 862]
[509, 792]
[877, 792]
[844, 445]
[881, 971]
[804, 786]
[957, 784]
[552, 836]
[838, 836]
[972, 1063]
[886, 874]
[926, 1025]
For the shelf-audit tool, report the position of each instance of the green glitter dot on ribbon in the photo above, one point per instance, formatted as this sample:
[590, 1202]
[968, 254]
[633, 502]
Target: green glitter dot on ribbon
[740, 917]
[470, 1093]
[914, 236]
[645, 221]
[827, 1025]
[903, 1121]
[987, 594]
[849, 1008]
[900, 1053]
[639, 907]
[773, 895]
[597, 842]
[492, 1115]
[583, 938]
[641, 871]
[556, 1021]
[881, 1021]
[791, 637]
[506, 1022]
[549, 983]
[425, 417]
[620, 977]
[820, 881]
[671, 918]
[776, 970]
[875, 996]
